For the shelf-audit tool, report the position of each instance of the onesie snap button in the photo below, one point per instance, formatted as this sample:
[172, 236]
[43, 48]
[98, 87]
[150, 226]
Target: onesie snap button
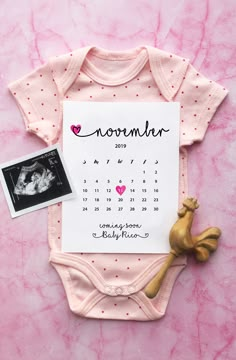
[131, 289]
[108, 289]
[119, 291]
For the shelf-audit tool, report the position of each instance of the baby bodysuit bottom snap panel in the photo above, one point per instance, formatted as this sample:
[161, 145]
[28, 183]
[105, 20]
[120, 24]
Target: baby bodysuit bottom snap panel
[111, 286]
[88, 292]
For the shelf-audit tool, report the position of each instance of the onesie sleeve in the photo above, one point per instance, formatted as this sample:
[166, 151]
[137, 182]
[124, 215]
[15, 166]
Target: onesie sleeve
[37, 97]
[199, 98]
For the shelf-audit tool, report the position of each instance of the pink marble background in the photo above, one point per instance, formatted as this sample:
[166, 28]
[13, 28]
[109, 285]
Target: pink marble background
[35, 321]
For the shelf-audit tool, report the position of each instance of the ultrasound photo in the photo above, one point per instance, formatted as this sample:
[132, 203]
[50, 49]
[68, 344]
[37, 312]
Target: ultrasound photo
[35, 181]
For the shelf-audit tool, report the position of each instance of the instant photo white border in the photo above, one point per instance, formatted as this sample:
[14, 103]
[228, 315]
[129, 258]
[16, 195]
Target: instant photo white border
[46, 203]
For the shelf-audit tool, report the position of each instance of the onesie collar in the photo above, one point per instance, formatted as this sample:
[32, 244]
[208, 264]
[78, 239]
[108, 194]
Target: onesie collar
[167, 69]
[137, 56]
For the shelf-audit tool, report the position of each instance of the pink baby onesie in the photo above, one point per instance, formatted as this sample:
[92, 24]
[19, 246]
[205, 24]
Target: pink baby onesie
[110, 286]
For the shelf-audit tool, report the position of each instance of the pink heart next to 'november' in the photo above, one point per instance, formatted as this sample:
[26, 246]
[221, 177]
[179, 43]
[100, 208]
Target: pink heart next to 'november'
[75, 129]
[120, 189]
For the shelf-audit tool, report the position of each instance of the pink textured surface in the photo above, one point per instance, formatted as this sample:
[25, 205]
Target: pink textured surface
[201, 317]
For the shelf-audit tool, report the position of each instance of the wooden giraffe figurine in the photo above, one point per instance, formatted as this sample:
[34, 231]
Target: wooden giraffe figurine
[182, 242]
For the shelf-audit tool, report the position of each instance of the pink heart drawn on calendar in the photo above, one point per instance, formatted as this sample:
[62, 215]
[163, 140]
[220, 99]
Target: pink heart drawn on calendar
[120, 189]
[75, 129]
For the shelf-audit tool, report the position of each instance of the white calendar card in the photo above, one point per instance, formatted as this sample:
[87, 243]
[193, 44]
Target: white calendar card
[123, 159]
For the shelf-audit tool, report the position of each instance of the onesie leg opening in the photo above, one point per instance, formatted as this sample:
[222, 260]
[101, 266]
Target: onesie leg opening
[161, 300]
[77, 286]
